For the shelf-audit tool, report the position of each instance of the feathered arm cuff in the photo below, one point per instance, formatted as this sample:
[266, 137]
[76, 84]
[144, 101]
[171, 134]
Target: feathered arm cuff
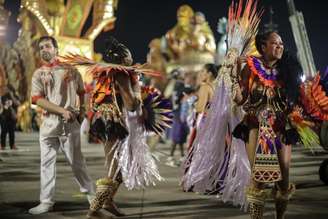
[308, 137]
[314, 99]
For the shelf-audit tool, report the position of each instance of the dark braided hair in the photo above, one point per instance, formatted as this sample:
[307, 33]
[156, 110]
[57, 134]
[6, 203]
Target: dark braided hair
[288, 66]
[212, 69]
[261, 39]
[115, 51]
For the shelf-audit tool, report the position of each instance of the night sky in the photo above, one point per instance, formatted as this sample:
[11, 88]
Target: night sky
[139, 21]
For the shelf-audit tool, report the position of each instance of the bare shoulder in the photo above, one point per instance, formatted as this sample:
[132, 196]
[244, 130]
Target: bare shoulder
[204, 85]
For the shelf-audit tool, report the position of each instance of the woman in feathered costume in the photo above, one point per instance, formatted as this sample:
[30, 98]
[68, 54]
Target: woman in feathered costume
[268, 90]
[123, 113]
[215, 161]
[267, 128]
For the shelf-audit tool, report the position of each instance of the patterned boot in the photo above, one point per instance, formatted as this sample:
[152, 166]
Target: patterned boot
[256, 198]
[109, 204]
[105, 190]
[282, 199]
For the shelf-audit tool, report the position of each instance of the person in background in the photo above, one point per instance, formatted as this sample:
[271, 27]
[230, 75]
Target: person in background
[8, 106]
[180, 129]
[204, 95]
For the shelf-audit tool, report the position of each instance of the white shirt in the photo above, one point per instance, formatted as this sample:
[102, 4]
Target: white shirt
[60, 84]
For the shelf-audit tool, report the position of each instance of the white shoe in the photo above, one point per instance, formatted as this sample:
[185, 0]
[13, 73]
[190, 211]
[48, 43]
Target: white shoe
[180, 161]
[171, 163]
[41, 208]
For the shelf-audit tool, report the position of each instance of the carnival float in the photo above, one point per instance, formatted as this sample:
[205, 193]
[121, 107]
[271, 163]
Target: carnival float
[64, 20]
[187, 46]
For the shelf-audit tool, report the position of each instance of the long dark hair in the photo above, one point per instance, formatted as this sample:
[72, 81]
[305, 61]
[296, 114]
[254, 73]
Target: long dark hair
[289, 68]
[212, 69]
[290, 72]
[115, 51]
[261, 39]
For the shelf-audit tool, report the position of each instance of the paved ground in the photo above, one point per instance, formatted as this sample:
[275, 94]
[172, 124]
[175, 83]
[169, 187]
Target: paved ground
[19, 188]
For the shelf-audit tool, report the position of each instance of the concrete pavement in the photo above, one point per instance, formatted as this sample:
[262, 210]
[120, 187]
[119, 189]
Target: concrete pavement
[19, 188]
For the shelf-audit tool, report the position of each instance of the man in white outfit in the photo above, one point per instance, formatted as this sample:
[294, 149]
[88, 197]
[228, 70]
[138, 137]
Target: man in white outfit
[58, 89]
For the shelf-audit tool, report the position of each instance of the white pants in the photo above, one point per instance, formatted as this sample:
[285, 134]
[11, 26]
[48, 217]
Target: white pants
[70, 144]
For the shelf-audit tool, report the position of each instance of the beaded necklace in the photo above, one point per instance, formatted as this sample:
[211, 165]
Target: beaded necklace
[268, 76]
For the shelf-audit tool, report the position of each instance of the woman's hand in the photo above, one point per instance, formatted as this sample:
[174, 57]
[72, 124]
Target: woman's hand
[241, 60]
[237, 70]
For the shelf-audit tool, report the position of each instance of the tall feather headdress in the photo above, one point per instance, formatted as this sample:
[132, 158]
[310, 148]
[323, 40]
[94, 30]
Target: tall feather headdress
[96, 68]
[243, 26]
[216, 168]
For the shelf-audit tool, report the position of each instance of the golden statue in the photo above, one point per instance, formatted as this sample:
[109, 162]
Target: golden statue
[201, 37]
[177, 38]
[201, 45]
[189, 44]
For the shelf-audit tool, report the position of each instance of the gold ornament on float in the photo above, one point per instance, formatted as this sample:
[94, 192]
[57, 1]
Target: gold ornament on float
[63, 20]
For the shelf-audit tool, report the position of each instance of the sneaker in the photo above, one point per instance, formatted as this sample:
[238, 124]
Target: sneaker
[41, 208]
[180, 161]
[171, 163]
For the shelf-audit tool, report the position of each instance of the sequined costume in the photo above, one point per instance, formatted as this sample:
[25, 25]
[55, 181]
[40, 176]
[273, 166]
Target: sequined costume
[123, 131]
[267, 109]
[275, 119]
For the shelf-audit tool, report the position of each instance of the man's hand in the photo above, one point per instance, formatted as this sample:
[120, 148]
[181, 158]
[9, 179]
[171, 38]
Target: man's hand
[68, 115]
[81, 115]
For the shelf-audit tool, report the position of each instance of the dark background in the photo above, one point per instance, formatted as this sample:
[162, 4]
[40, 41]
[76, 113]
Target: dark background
[139, 21]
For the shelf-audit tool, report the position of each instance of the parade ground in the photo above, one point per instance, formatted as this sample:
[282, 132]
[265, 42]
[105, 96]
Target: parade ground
[19, 188]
